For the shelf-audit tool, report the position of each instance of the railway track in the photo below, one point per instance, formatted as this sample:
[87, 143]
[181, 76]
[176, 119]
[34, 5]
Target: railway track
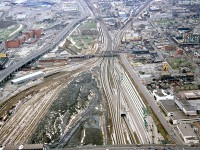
[129, 130]
[114, 108]
[24, 121]
[20, 126]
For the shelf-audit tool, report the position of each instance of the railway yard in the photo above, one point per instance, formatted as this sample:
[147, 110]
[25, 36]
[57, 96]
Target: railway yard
[95, 86]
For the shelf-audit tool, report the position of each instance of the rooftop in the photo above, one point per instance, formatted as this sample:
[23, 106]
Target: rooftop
[169, 105]
[186, 130]
[162, 95]
[28, 76]
[185, 104]
[192, 94]
[179, 115]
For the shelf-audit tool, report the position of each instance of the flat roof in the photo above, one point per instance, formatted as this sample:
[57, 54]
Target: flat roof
[179, 115]
[189, 107]
[169, 105]
[186, 130]
[186, 105]
[192, 94]
[27, 76]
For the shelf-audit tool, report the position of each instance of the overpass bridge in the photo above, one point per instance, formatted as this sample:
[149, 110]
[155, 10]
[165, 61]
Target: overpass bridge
[9, 71]
[92, 55]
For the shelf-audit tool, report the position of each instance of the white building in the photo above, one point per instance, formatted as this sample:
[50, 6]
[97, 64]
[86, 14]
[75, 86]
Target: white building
[20, 17]
[186, 107]
[29, 77]
[187, 133]
[19, 1]
[162, 95]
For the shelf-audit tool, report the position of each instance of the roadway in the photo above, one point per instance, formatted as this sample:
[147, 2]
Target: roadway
[151, 102]
[4, 74]
[131, 97]
[136, 147]
[112, 92]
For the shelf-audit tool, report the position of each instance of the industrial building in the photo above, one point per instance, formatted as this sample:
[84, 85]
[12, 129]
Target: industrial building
[191, 95]
[37, 33]
[179, 117]
[122, 14]
[168, 106]
[186, 107]
[187, 133]
[140, 51]
[177, 76]
[12, 44]
[29, 77]
[170, 48]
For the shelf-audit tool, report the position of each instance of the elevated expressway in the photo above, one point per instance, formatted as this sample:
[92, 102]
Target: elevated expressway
[7, 73]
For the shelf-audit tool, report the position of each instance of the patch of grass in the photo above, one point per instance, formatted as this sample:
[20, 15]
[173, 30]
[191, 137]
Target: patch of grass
[83, 41]
[109, 122]
[6, 32]
[89, 25]
[180, 62]
[40, 25]
[164, 22]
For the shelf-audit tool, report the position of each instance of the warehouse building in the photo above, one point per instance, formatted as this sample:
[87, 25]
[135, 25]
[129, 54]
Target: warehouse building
[29, 77]
[168, 106]
[186, 107]
[12, 44]
[187, 133]
[122, 14]
[180, 118]
[37, 33]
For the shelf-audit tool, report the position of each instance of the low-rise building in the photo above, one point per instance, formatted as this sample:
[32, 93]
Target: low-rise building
[191, 95]
[187, 133]
[122, 14]
[168, 106]
[29, 77]
[162, 95]
[186, 107]
[179, 117]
